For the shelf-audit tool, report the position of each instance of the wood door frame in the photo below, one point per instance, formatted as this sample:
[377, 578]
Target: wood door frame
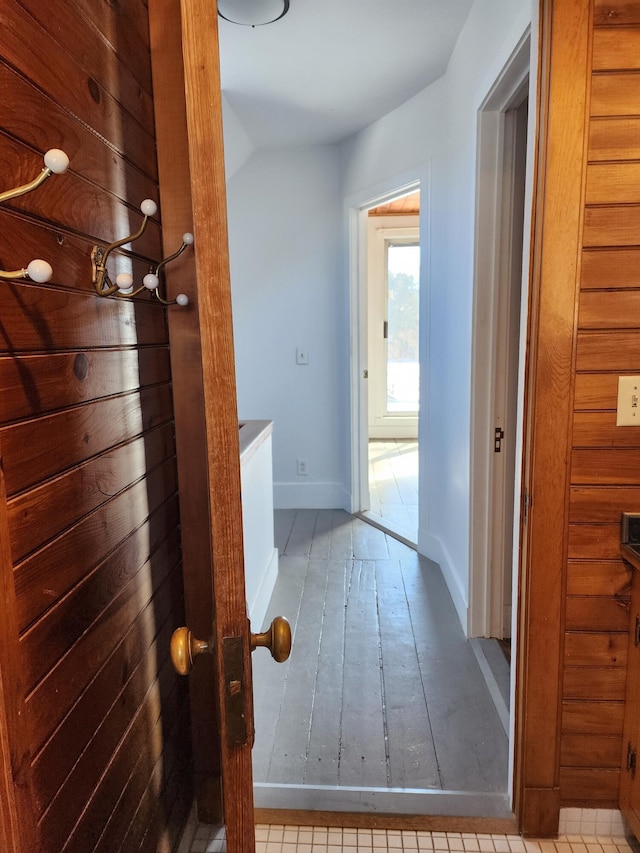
[562, 109]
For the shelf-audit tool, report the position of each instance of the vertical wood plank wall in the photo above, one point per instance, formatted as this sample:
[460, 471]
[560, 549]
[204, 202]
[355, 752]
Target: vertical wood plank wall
[605, 459]
[87, 438]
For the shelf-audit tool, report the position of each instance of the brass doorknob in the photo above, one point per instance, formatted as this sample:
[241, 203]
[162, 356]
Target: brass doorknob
[184, 648]
[277, 638]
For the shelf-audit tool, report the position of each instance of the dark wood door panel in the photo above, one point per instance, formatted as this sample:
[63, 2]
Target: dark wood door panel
[110, 698]
[70, 86]
[74, 435]
[38, 385]
[65, 622]
[71, 202]
[39, 319]
[71, 256]
[42, 513]
[51, 572]
[61, 688]
[89, 797]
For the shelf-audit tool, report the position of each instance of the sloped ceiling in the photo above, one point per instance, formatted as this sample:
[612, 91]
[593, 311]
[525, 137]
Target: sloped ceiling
[331, 67]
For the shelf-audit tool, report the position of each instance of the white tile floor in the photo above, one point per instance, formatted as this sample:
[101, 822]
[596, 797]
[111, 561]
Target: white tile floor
[309, 839]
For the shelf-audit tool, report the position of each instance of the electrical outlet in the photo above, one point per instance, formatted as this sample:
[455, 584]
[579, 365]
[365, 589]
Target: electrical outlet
[302, 355]
[302, 467]
[628, 412]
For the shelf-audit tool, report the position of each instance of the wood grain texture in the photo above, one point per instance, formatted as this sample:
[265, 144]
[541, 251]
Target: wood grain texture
[615, 94]
[615, 49]
[613, 139]
[204, 123]
[610, 267]
[186, 361]
[557, 232]
[87, 433]
[610, 13]
[597, 683]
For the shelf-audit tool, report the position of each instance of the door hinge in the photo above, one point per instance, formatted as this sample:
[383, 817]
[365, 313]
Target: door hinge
[631, 760]
[385, 330]
[365, 374]
[636, 633]
[498, 435]
[526, 503]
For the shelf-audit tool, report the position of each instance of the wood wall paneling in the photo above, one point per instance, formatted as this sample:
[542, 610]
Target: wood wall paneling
[92, 552]
[605, 462]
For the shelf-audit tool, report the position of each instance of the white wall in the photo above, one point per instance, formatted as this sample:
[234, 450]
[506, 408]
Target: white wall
[434, 136]
[285, 250]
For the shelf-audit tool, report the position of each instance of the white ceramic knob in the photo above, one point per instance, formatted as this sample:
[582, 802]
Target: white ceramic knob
[151, 281]
[187, 238]
[39, 270]
[182, 299]
[125, 282]
[56, 161]
[149, 207]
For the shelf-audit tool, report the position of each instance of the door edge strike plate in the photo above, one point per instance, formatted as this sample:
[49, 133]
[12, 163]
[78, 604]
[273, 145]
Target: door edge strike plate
[234, 687]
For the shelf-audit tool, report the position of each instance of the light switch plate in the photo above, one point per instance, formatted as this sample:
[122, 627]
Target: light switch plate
[628, 413]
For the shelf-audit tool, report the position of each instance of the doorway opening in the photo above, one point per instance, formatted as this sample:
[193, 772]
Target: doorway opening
[392, 333]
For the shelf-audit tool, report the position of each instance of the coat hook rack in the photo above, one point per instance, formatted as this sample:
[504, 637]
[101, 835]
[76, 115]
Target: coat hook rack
[123, 285]
[55, 163]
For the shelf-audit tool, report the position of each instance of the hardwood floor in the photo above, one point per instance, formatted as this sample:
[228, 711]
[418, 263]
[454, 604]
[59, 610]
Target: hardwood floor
[381, 691]
[393, 486]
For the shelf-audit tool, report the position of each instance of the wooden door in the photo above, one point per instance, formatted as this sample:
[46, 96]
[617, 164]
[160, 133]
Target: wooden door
[184, 42]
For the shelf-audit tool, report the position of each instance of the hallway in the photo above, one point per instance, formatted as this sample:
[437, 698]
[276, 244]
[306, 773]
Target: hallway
[382, 692]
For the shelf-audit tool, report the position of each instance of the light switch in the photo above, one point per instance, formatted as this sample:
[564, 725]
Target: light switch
[628, 401]
[302, 355]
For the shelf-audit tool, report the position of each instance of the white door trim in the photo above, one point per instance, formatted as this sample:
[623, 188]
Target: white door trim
[492, 257]
[356, 208]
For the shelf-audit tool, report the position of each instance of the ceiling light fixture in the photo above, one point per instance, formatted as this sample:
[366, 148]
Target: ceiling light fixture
[252, 13]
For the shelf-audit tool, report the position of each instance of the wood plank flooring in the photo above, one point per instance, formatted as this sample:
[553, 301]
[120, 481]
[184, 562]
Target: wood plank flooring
[393, 485]
[382, 690]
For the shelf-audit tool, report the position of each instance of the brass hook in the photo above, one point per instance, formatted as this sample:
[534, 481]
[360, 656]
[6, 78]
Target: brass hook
[36, 270]
[55, 163]
[152, 279]
[123, 285]
[102, 283]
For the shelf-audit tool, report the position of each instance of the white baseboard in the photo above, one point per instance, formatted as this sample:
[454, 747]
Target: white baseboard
[433, 548]
[258, 607]
[310, 496]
